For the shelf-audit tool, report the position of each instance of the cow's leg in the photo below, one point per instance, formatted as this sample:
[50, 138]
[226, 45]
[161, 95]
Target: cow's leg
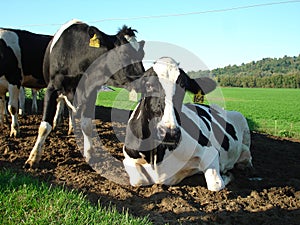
[87, 131]
[2, 110]
[59, 113]
[44, 129]
[34, 101]
[245, 157]
[213, 177]
[13, 109]
[22, 102]
[87, 126]
[71, 128]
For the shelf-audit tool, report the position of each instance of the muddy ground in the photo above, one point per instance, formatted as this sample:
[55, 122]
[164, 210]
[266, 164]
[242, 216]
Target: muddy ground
[268, 195]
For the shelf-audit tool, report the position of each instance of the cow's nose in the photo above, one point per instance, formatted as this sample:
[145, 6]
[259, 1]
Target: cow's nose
[166, 134]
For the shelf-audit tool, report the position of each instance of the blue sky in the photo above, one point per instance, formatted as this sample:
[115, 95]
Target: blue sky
[217, 38]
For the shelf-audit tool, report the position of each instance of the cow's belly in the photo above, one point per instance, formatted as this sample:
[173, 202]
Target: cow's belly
[186, 160]
[31, 82]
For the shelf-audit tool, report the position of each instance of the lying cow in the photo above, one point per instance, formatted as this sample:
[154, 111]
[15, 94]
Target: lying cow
[21, 62]
[75, 48]
[167, 140]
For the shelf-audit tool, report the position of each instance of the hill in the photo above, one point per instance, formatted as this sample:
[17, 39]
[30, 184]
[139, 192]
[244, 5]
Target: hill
[268, 72]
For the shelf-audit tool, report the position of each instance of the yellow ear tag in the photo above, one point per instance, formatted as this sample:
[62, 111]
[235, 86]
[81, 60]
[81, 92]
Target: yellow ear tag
[95, 42]
[199, 98]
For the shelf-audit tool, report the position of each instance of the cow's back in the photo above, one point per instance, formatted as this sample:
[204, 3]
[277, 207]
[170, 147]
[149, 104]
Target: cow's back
[71, 52]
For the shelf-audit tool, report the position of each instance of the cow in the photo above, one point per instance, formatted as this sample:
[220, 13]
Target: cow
[167, 141]
[75, 48]
[21, 64]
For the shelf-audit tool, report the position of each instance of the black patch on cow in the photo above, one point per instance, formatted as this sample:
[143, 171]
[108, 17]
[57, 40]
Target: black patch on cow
[132, 153]
[189, 126]
[228, 127]
[204, 115]
[9, 64]
[219, 134]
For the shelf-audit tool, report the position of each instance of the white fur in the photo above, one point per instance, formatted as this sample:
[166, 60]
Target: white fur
[22, 101]
[12, 40]
[167, 71]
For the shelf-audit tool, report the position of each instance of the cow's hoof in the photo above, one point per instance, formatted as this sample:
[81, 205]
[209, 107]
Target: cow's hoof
[29, 164]
[70, 131]
[14, 134]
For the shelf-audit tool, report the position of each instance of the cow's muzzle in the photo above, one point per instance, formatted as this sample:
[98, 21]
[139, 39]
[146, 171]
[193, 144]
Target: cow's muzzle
[168, 136]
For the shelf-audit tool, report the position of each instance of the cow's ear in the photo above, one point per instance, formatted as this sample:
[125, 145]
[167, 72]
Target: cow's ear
[205, 84]
[140, 84]
[92, 31]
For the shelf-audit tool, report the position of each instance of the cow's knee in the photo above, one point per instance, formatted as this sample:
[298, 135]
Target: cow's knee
[214, 180]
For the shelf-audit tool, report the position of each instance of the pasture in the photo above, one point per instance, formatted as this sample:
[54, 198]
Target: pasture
[268, 110]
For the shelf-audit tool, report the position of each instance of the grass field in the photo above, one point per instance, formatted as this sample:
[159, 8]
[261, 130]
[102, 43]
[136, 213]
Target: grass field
[25, 200]
[273, 111]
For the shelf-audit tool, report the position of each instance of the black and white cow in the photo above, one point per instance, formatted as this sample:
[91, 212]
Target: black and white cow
[21, 63]
[75, 48]
[167, 140]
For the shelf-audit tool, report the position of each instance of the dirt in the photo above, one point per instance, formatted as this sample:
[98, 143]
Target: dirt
[268, 195]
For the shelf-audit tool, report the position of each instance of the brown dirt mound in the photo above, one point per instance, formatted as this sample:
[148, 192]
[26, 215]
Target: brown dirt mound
[269, 195]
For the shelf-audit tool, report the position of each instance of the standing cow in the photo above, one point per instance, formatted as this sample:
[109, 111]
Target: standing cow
[21, 63]
[75, 48]
[167, 140]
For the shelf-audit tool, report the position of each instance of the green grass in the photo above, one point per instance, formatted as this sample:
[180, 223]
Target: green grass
[119, 98]
[25, 200]
[269, 110]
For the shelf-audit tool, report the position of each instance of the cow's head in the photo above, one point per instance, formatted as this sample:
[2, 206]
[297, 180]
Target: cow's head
[133, 52]
[127, 51]
[155, 124]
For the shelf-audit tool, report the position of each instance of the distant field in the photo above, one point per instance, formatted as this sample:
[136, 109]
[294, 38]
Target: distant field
[272, 111]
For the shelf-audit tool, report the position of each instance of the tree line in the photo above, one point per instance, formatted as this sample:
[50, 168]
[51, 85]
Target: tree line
[266, 73]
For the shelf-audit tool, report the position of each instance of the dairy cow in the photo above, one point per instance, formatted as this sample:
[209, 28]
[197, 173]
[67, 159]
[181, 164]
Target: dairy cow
[21, 63]
[167, 140]
[75, 48]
